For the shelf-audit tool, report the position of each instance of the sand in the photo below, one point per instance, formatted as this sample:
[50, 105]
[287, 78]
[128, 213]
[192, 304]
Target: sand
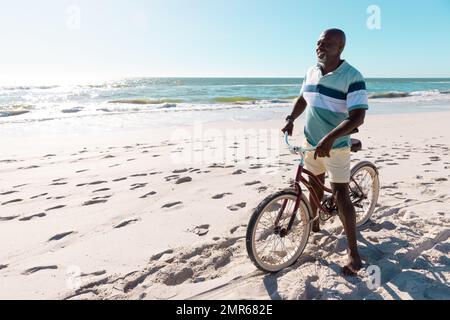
[162, 214]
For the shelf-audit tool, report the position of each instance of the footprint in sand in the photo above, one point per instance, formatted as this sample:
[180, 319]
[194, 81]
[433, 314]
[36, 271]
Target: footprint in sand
[104, 197]
[97, 182]
[220, 196]
[37, 269]
[180, 171]
[120, 179]
[261, 189]
[172, 177]
[11, 201]
[215, 165]
[91, 183]
[7, 192]
[27, 168]
[240, 228]
[92, 202]
[95, 274]
[148, 195]
[252, 183]
[183, 180]
[38, 196]
[7, 161]
[9, 218]
[58, 184]
[200, 230]
[28, 218]
[101, 190]
[60, 236]
[138, 186]
[239, 172]
[238, 206]
[3, 266]
[55, 208]
[388, 187]
[138, 175]
[172, 204]
[158, 256]
[108, 157]
[126, 223]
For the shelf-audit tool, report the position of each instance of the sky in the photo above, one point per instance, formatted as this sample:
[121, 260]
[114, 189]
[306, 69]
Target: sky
[57, 40]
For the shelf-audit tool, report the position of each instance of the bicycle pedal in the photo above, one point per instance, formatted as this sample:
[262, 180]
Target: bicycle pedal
[325, 216]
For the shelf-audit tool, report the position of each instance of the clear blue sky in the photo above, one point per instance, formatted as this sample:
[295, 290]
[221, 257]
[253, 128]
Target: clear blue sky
[223, 38]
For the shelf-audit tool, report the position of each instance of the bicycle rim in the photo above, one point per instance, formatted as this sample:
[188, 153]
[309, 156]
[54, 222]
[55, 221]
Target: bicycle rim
[271, 252]
[364, 191]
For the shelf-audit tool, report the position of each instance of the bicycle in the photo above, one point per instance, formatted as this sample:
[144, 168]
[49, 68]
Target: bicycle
[286, 216]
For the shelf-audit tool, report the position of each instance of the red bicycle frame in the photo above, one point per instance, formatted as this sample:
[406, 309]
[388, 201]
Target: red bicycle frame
[298, 180]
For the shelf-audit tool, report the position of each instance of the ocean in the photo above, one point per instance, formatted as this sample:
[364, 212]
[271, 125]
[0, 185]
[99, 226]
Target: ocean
[143, 102]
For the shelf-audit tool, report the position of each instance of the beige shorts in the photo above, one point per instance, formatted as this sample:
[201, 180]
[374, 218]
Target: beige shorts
[337, 166]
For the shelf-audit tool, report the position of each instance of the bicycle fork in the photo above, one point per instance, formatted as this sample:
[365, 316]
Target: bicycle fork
[284, 232]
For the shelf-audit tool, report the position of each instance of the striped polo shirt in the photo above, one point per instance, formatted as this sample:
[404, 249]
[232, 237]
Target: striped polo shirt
[330, 98]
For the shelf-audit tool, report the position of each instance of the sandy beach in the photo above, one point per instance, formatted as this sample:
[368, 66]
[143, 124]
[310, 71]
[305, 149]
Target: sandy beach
[162, 214]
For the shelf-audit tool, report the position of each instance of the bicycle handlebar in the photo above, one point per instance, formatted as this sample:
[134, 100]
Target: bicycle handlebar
[296, 150]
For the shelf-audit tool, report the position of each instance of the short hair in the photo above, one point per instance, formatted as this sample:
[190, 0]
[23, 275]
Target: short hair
[338, 33]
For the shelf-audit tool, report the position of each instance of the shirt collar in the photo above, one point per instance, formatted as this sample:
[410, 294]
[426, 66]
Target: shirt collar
[339, 69]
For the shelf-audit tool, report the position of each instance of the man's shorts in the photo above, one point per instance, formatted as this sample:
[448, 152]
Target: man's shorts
[337, 166]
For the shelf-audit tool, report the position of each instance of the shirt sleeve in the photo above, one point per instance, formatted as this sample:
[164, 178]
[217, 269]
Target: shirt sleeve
[303, 85]
[357, 94]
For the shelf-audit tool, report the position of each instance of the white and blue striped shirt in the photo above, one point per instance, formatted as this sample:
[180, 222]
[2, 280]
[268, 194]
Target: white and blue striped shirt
[330, 98]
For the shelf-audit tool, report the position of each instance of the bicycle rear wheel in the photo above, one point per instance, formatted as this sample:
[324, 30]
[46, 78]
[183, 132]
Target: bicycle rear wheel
[267, 247]
[364, 190]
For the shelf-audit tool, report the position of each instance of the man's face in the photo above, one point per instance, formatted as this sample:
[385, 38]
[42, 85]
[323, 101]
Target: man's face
[329, 47]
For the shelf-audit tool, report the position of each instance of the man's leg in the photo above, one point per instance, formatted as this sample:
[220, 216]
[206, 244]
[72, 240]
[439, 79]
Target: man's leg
[319, 191]
[348, 218]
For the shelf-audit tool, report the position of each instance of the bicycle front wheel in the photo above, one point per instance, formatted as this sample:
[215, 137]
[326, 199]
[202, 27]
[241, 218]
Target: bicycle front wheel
[268, 247]
[364, 191]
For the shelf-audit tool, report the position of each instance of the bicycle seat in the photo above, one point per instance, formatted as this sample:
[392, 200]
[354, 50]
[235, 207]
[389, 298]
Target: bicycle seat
[356, 145]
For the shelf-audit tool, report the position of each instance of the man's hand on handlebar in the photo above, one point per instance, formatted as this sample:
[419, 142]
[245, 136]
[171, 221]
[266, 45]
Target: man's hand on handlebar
[289, 127]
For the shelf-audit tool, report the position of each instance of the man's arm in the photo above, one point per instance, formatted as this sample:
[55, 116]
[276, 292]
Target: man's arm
[347, 127]
[299, 108]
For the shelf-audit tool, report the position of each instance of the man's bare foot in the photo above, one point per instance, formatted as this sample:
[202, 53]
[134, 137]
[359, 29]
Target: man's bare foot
[353, 266]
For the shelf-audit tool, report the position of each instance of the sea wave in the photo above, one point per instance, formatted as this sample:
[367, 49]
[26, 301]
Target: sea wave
[145, 101]
[24, 88]
[403, 94]
[4, 114]
[72, 110]
[233, 99]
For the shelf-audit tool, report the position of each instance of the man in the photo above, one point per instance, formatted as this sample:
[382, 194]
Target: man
[335, 94]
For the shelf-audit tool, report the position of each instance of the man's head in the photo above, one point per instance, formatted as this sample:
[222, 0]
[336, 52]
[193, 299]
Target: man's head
[330, 45]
